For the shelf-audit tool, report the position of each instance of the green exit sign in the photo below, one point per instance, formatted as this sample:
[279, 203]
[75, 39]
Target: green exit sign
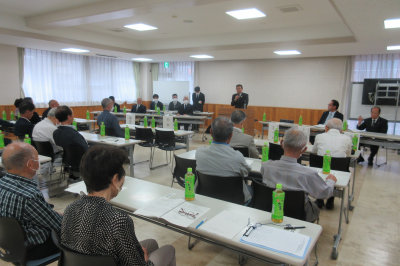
[166, 64]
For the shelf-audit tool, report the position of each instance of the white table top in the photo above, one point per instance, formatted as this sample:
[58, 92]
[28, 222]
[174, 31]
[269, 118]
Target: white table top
[139, 193]
[42, 159]
[12, 121]
[84, 121]
[178, 133]
[112, 141]
[154, 115]
[203, 113]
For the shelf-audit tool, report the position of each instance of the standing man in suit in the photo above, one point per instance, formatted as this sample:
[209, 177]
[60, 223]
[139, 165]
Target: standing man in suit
[115, 104]
[332, 112]
[139, 107]
[185, 109]
[373, 124]
[175, 104]
[240, 99]
[23, 126]
[198, 99]
[240, 139]
[156, 103]
[52, 104]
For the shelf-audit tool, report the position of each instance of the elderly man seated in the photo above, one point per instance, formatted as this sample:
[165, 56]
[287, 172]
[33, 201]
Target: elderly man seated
[338, 144]
[220, 159]
[21, 199]
[239, 139]
[43, 131]
[110, 120]
[295, 177]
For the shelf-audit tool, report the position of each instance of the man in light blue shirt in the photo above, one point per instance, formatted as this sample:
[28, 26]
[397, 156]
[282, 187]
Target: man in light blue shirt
[109, 119]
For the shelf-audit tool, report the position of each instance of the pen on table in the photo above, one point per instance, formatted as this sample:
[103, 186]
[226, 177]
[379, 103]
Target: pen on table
[293, 227]
[201, 223]
[116, 140]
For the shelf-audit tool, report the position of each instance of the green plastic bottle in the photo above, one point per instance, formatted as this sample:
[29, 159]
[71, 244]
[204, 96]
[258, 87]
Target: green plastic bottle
[265, 152]
[153, 123]
[326, 167]
[87, 115]
[19, 115]
[264, 117]
[75, 125]
[12, 116]
[189, 185]
[4, 116]
[210, 140]
[145, 121]
[163, 108]
[127, 133]
[276, 135]
[158, 111]
[1, 140]
[355, 142]
[345, 125]
[115, 109]
[242, 129]
[176, 125]
[278, 199]
[27, 139]
[102, 129]
[124, 109]
[300, 121]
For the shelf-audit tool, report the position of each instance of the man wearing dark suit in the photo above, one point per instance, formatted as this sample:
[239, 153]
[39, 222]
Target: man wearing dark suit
[110, 120]
[23, 126]
[198, 99]
[115, 104]
[240, 99]
[175, 104]
[35, 117]
[185, 109]
[373, 124]
[52, 104]
[156, 102]
[139, 107]
[332, 112]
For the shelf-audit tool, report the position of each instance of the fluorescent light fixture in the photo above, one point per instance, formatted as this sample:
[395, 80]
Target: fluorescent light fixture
[287, 52]
[392, 23]
[140, 27]
[246, 13]
[202, 56]
[395, 47]
[142, 59]
[75, 50]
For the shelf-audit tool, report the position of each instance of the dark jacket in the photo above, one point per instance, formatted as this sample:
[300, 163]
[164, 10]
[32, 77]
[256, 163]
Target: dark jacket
[35, 118]
[325, 115]
[153, 105]
[187, 111]
[110, 120]
[196, 105]
[171, 106]
[23, 127]
[44, 115]
[65, 136]
[4, 123]
[381, 125]
[118, 107]
[244, 99]
[142, 109]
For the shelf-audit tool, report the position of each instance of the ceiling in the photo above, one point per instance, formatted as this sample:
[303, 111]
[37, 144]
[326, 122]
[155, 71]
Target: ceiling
[320, 28]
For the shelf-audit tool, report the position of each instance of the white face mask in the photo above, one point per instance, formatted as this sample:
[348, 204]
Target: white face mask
[155, 100]
[185, 102]
[174, 100]
[37, 170]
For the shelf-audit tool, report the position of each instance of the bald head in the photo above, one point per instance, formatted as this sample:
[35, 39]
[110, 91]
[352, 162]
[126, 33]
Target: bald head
[53, 103]
[16, 156]
[335, 123]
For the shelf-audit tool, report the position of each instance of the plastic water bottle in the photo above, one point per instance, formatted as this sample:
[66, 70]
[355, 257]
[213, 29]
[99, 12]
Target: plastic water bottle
[1, 140]
[4, 116]
[163, 108]
[355, 142]
[211, 140]
[265, 152]
[242, 129]
[19, 115]
[278, 199]
[124, 109]
[326, 167]
[145, 121]
[158, 111]
[176, 125]
[189, 185]
[87, 115]
[276, 135]
[27, 139]
[300, 121]
[345, 125]
[127, 133]
[153, 123]
[75, 125]
[115, 109]
[102, 129]
[12, 116]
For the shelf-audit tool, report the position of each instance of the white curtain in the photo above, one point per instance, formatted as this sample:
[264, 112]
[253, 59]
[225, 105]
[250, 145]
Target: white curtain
[178, 71]
[375, 66]
[76, 80]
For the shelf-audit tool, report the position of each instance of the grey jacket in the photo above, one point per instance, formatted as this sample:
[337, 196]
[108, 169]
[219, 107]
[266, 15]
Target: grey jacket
[239, 139]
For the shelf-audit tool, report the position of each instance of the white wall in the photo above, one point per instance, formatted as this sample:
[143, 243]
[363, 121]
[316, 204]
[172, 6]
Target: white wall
[298, 83]
[9, 77]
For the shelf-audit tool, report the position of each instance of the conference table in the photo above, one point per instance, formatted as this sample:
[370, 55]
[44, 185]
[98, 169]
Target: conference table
[115, 142]
[138, 193]
[343, 181]
[89, 122]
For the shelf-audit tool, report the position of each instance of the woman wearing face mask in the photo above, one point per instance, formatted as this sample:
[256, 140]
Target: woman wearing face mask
[93, 226]
[156, 103]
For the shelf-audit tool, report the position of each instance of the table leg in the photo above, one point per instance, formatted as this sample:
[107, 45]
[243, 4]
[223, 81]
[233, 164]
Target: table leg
[90, 127]
[262, 133]
[131, 148]
[187, 142]
[351, 197]
[204, 131]
[338, 236]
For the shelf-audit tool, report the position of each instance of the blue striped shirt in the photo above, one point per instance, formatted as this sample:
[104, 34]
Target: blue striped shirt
[21, 199]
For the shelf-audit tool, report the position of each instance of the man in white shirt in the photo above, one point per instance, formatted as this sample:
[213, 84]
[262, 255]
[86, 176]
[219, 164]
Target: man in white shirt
[339, 145]
[43, 131]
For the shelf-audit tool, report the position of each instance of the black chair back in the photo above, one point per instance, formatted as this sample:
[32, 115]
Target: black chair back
[338, 164]
[275, 151]
[181, 167]
[293, 206]
[110, 132]
[286, 121]
[13, 242]
[72, 157]
[69, 257]
[21, 138]
[228, 189]
[45, 148]
[243, 150]
[145, 134]
[165, 138]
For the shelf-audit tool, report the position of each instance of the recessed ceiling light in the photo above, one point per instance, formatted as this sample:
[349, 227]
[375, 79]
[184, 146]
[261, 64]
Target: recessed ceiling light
[395, 47]
[202, 56]
[140, 27]
[392, 23]
[287, 52]
[75, 50]
[246, 13]
[142, 59]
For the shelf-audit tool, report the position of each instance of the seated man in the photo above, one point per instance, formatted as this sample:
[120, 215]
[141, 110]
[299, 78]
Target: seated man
[52, 104]
[339, 145]
[139, 107]
[23, 126]
[35, 117]
[239, 139]
[220, 159]
[295, 177]
[185, 109]
[21, 199]
[373, 124]
[175, 104]
[66, 135]
[44, 130]
[332, 112]
[115, 104]
[155, 103]
[110, 120]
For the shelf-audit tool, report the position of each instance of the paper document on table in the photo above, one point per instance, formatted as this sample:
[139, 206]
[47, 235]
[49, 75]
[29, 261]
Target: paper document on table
[159, 207]
[278, 240]
[185, 214]
[226, 224]
[130, 118]
[271, 130]
[320, 126]
[249, 161]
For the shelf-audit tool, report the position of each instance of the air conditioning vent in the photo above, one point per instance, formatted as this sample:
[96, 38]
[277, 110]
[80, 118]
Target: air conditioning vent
[291, 8]
[108, 56]
[119, 30]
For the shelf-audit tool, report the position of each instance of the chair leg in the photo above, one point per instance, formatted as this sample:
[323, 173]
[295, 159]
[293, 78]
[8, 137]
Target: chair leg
[151, 162]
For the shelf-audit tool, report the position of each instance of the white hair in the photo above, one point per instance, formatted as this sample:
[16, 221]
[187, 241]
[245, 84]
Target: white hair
[52, 112]
[335, 123]
[294, 139]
